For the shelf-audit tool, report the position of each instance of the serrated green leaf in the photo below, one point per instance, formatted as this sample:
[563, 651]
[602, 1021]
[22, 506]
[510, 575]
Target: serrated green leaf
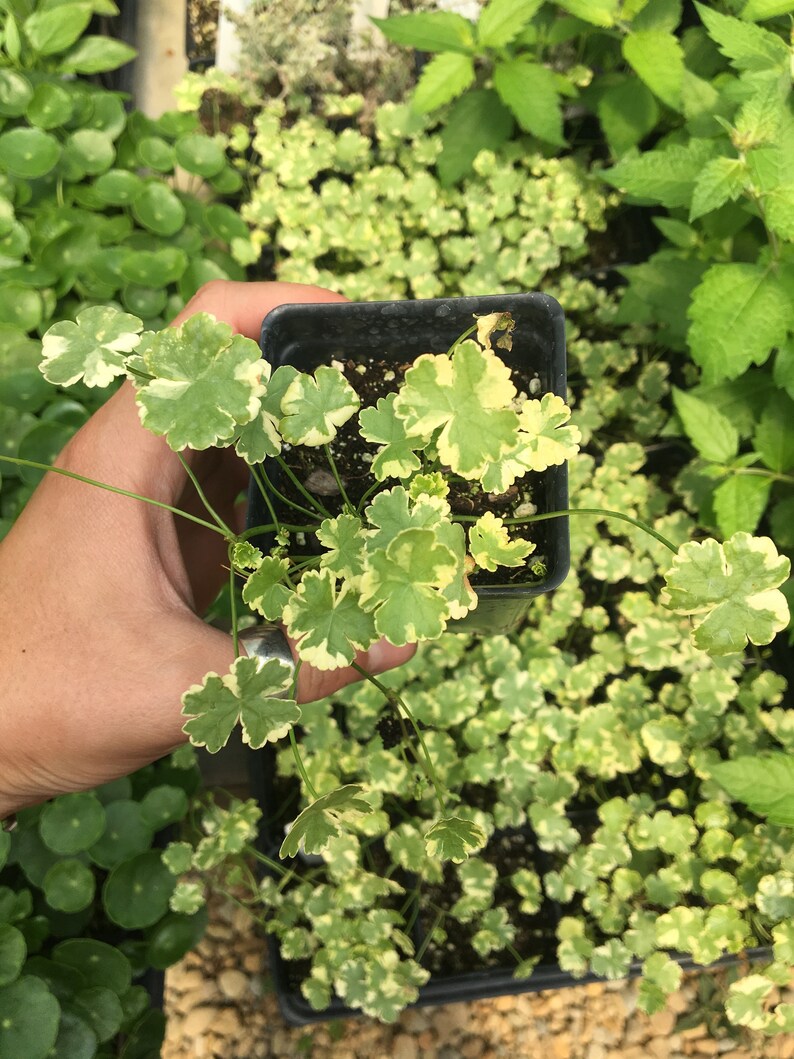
[667, 175]
[502, 20]
[749, 47]
[783, 371]
[739, 502]
[598, 12]
[779, 211]
[491, 546]
[443, 79]
[738, 313]
[465, 397]
[530, 91]
[329, 625]
[454, 838]
[429, 31]
[265, 590]
[397, 456]
[722, 180]
[774, 437]
[712, 433]
[730, 590]
[314, 407]
[627, 112]
[207, 382]
[402, 586]
[478, 121]
[319, 822]
[764, 784]
[658, 60]
[251, 692]
[758, 10]
[92, 349]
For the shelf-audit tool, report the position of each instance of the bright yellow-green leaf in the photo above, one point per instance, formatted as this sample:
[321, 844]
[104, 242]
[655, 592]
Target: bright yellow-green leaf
[491, 546]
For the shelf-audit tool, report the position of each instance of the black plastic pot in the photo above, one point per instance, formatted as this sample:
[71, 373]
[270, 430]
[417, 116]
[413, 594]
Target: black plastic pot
[398, 332]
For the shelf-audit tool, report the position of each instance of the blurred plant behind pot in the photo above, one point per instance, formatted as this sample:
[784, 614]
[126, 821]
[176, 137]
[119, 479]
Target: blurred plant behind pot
[97, 204]
[88, 915]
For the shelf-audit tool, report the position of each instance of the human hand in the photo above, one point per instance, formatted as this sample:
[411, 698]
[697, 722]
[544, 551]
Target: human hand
[101, 594]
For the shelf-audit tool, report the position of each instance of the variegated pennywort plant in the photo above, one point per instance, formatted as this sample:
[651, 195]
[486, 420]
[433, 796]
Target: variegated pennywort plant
[397, 563]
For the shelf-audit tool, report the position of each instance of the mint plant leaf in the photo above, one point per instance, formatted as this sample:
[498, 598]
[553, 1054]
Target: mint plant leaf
[478, 121]
[443, 79]
[764, 784]
[429, 31]
[265, 590]
[627, 112]
[722, 180]
[313, 407]
[658, 59]
[402, 586]
[490, 544]
[545, 440]
[749, 47]
[329, 625]
[466, 396]
[667, 175]
[774, 439]
[319, 822]
[738, 313]
[730, 590]
[251, 693]
[530, 92]
[710, 431]
[740, 502]
[92, 349]
[207, 381]
[381, 426]
[602, 13]
[502, 20]
[453, 838]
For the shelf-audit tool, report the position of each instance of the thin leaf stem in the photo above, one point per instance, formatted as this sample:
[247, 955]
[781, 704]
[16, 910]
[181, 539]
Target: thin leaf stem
[391, 696]
[337, 478]
[301, 767]
[233, 600]
[318, 507]
[638, 523]
[203, 498]
[460, 338]
[18, 462]
[761, 472]
[255, 471]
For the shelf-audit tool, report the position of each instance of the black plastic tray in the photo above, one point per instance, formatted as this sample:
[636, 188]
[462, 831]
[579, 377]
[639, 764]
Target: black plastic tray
[309, 335]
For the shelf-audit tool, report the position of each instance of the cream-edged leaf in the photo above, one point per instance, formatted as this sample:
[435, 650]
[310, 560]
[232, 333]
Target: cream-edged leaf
[207, 382]
[454, 838]
[343, 536]
[491, 546]
[319, 822]
[313, 408]
[397, 456]
[730, 590]
[265, 591]
[329, 625]
[93, 349]
[546, 440]
[394, 510]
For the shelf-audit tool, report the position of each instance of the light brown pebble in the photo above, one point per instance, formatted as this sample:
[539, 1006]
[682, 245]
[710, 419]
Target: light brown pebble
[227, 1025]
[233, 984]
[426, 1043]
[404, 1047]
[662, 1023]
[561, 1046]
[198, 1021]
[472, 1048]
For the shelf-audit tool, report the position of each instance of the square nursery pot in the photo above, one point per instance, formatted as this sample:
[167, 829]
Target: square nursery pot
[457, 974]
[392, 335]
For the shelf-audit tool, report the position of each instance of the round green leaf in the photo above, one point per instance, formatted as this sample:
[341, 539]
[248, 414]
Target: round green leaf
[98, 962]
[41, 445]
[156, 153]
[90, 150]
[107, 113]
[65, 410]
[69, 886]
[76, 1039]
[153, 268]
[124, 837]
[12, 953]
[50, 108]
[158, 209]
[163, 805]
[32, 855]
[15, 93]
[26, 391]
[72, 822]
[62, 981]
[29, 1016]
[198, 273]
[35, 930]
[175, 936]
[114, 790]
[29, 153]
[144, 301]
[201, 155]
[101, 1009]
[227, 182]
[136, 892]
[118, 187]
[20, 306]
[225, 222]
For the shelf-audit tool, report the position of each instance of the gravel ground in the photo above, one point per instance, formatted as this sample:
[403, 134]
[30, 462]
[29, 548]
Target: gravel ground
[220, 1006]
